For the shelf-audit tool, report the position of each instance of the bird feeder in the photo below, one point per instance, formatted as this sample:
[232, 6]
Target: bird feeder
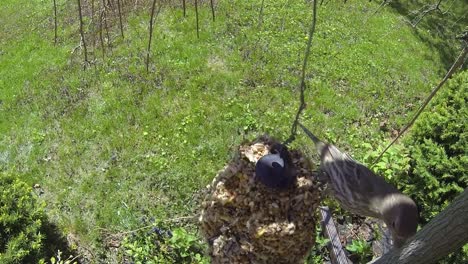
[245, 221]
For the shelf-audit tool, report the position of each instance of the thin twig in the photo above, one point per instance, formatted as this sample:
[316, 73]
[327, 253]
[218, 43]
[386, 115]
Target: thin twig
[183, 6]
[303, 85]
[101, 38]
[260, 14]
[92, 22]
[435, 7]
[106, 27]
[73, 259]
[120, 18]
[384, 2]
[150, 36]
[82, 34]
[55, 22]
[456, 65]
[196, 15]
[150, 226]
[448, 8]
[151, 33]
[212, 10]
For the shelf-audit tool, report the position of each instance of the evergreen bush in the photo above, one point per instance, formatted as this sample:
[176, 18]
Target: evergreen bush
[21, 220]
[438, 148]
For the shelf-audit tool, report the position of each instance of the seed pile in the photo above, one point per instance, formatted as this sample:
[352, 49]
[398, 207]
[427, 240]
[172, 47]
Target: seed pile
[246, 222]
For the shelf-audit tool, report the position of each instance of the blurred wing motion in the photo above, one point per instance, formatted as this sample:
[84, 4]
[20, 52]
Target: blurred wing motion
[353, 184]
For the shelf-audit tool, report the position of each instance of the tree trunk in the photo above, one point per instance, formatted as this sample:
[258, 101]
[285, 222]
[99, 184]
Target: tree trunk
[447, 232]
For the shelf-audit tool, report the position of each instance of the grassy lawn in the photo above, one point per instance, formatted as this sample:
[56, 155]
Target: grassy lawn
[113, 144]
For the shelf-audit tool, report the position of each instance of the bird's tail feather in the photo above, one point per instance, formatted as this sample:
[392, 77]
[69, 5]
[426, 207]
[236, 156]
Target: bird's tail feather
[320, 145]
[309, 134]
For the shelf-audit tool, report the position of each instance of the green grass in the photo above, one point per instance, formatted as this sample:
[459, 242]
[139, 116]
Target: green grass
[112, 143]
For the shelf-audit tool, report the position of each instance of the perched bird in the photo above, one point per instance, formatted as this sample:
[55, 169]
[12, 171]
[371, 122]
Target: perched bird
[361, 192]
[275, 170]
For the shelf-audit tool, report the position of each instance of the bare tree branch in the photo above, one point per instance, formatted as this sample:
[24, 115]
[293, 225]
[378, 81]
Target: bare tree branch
[196, 14]
[120, 18]
[55, 22]
[82, 34]
[101, 28]
[260, 14]
[212, 10]
[431, 8]
[183, 6]
[104, 15]
[151, 32]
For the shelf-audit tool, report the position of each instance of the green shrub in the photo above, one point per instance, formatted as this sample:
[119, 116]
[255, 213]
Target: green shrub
[361, 251]
[393, 165]
[317, 253]
[21, 219]
[438, 154]
[438, 149]
[57, 259]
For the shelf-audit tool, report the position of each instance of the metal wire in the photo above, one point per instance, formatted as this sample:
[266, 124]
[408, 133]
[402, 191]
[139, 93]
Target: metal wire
[303, 85]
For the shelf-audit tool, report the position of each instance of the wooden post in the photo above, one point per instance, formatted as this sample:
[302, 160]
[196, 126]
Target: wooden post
[337, 254]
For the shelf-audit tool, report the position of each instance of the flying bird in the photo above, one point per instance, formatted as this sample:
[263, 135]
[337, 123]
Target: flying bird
[275, 170]
[362, 192]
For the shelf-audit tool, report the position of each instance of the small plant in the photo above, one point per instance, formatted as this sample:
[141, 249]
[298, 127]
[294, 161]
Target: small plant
[393, 165]
[316, 255]
[163, 246]
[58, 259]
[21, 221]
[361, 250]
[186, 245]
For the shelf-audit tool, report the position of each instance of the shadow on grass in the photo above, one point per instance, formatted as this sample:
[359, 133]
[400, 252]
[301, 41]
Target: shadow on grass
[55, 241]
[438, 28]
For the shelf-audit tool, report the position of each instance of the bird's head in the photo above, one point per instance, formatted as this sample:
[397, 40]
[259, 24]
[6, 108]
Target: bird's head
[400, 213]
